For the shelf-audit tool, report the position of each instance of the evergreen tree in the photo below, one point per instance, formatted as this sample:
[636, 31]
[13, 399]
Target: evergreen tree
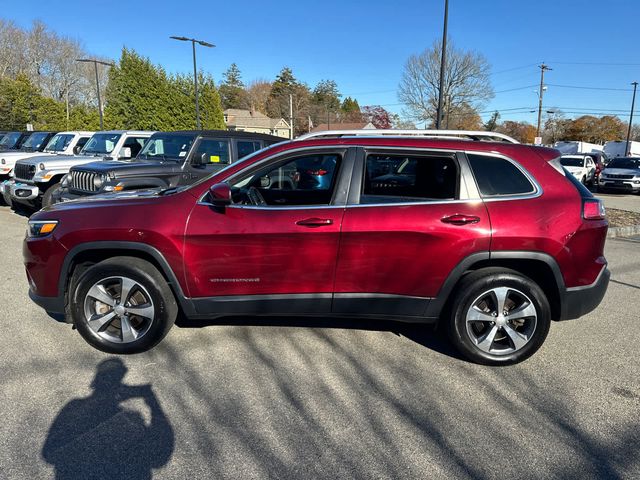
[350, 110]
[284, 85]
[18, 102]
[210, 107]
[326, 95]
[232, 91]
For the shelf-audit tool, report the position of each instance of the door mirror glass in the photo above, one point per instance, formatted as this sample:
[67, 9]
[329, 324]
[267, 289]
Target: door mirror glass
[220, 194]
[125, 152]
[76, 149]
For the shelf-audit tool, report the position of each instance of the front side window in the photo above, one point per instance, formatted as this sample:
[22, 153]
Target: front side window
[58, 143]
[213, 152]
[498, 176]
[135, 144]
[167, 147]
[304, 180]
[101, 144]
[408, 178]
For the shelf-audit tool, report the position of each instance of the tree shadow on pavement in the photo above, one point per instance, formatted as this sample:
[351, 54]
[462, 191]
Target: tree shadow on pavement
[102, 436]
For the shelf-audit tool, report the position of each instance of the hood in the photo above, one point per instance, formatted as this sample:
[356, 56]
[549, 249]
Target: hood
[126, 168]
[575, 170]
[11, 157]
[58, 161]
[621, 171]
[120, 199]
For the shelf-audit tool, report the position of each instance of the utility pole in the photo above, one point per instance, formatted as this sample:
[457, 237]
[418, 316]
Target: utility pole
[543, 68]
[291, 116]
[95, 66]
[443, 64]
[448, 102]
[195, 69]
[633, 102]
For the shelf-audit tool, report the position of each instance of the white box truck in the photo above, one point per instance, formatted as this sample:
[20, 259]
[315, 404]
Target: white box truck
[617, 148]
[571, 147]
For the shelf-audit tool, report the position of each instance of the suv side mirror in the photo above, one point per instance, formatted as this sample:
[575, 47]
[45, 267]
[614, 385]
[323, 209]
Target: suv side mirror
[220, 194]
[199, 160]
[76, 149]
[125, 152]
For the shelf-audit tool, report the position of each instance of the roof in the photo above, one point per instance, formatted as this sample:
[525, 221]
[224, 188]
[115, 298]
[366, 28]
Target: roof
[224, 134]
[248, 118]
[344, 126]
[130, 132]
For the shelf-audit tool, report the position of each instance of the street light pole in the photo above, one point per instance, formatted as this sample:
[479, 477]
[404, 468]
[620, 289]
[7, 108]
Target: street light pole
[195, 69]
[443, 63]
[95, 66]
[543, 68]
[633, 101]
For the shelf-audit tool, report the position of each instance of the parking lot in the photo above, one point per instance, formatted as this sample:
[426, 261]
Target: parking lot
[261, 398]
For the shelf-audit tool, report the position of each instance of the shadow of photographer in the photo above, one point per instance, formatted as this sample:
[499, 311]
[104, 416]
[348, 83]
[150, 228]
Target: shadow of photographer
[119, 431]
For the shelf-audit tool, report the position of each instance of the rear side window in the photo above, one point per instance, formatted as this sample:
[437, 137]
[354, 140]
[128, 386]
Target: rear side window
[407, 178]
[498, 176]
[247, 147]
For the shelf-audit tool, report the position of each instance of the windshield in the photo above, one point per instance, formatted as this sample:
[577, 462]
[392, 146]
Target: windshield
[10, 139]
[35, 140]
[572, 162]
[101, 144]
[59, 143]
[624, 163]
[167, 147]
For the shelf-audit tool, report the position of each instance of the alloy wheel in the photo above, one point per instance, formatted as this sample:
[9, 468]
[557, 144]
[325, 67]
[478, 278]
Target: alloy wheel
[118, 309]
[501, 321]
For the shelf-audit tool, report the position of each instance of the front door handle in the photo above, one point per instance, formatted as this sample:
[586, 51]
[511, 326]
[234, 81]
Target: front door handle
[459, 219]
[314, 222]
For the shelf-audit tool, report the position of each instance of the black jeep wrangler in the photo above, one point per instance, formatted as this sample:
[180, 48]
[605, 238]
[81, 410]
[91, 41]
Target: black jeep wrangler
[168, 159]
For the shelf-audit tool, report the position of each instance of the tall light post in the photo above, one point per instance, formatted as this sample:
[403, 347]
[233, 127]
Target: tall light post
[95, 66]
[633, 102]
[443, 64]
[195, 69]
[543, 68]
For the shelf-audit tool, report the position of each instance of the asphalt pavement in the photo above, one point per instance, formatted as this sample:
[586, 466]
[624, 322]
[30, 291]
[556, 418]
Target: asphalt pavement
[629, 202]
[298, 398]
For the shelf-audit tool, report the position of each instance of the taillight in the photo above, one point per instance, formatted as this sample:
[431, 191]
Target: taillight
[317, 173]
[593, 209]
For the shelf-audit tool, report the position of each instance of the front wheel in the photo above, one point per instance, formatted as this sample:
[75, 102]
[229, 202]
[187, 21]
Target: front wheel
[48, 198]
[499, 317]
[122, 305]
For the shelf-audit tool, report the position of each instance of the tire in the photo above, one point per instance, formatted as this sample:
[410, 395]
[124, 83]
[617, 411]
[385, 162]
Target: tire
[473, 339]
[47, 197]
[584, 181]
[149, 295]
[6, 198]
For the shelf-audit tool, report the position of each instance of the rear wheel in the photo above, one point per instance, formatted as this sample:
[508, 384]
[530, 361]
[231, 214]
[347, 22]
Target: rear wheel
[499, 317]
[123, 305]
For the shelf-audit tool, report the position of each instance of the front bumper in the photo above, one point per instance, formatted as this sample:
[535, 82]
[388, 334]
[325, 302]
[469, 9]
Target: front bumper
[579, 301]
[622, 185]
[23, 192]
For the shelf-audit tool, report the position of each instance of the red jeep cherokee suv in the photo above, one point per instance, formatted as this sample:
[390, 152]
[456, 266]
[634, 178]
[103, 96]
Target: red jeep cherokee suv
[491, 239]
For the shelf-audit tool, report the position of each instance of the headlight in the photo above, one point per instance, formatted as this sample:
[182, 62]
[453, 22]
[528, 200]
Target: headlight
[98, 181]
[65, 181]
[41, 166]
[40, 228]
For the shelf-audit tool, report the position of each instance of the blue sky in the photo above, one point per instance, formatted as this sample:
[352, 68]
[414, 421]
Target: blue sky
[363, 45]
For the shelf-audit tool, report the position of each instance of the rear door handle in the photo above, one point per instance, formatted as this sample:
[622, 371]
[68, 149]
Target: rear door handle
[314, 222]
[459, 219]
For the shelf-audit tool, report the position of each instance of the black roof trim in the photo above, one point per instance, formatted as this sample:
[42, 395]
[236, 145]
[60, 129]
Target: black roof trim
[225, 134]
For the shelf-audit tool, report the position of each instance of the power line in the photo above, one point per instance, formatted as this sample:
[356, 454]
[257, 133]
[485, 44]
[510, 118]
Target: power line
[599, 63]
[589, 88]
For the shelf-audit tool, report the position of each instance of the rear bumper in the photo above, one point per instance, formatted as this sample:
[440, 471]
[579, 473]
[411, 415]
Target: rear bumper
[579, 301]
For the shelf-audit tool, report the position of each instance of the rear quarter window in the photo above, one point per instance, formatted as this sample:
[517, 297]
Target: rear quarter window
[498, 176]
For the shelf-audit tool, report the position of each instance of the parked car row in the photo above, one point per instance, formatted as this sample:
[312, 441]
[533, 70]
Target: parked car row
[416, 226]
[621, 174]
[43, 168]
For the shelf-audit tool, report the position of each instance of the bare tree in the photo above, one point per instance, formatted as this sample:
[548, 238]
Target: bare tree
[12, 49]
[258, 93]
[466, 82]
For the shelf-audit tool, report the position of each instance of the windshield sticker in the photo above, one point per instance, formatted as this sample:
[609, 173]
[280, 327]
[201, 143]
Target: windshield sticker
[214, 159]
[182, 154]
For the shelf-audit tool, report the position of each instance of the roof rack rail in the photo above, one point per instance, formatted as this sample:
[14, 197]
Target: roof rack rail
[470, 134]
